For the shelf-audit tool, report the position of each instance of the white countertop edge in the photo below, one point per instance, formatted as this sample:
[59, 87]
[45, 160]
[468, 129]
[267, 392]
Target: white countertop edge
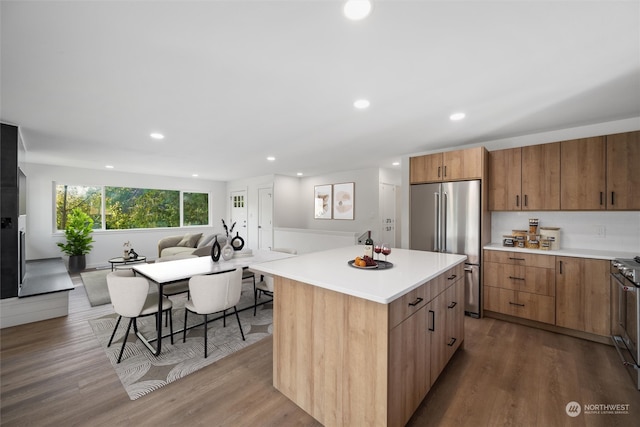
[570, 252]
[263, 268]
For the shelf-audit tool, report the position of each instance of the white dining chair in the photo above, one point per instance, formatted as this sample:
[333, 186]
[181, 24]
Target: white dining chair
[213, 293]
[130, 298]
[265, 285]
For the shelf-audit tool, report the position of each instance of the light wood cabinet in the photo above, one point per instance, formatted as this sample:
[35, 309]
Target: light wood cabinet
[582, 176]
[583, 295]
[448, 166]
[520, 284]
[623, 179]
[525, 178]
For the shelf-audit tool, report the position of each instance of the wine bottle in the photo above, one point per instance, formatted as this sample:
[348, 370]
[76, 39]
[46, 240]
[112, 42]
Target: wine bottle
[368, 246]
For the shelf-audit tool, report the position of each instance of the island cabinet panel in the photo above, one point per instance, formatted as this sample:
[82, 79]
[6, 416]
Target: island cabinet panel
[349, 361]
[583, 295]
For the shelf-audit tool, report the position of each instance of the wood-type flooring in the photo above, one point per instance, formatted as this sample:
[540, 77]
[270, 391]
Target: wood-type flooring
[54, 373]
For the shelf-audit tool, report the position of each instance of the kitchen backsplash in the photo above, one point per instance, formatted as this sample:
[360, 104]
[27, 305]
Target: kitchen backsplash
[615, 231]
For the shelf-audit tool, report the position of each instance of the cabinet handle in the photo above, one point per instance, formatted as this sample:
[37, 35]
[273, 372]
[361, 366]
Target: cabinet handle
[445, 171]
[516, 278]
[452, 342]
[438, 171]
[433, 320]
[526, 201]
[612, 198]
[515, 303]
[517, 259]
[416, 302]
[560, 267]
[453, 276]
[518, 200]
[601, 198]
[453, 304]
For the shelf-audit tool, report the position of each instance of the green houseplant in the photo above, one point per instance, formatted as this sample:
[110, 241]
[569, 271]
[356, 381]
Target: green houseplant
[79, 240]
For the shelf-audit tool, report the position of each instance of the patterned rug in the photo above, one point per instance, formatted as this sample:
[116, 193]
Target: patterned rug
[141, 372]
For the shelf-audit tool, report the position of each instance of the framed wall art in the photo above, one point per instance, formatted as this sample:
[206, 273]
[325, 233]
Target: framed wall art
[343, 201]
[322, 201]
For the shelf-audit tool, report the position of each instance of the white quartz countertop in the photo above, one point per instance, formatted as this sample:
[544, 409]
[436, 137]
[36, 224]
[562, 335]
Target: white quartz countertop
[578, 253]
[329, 270]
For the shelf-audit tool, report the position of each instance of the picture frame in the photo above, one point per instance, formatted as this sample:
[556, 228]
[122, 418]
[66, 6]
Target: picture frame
[322, 199]
[344, 201]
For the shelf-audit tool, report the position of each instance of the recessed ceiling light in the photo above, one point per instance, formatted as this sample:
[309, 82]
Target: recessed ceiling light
[195, 175]
[157, 135]
[357, 9]
[361, 104]
[271, 158]
[299, 174]
[396, 163]
[109, 166]
[457, 116]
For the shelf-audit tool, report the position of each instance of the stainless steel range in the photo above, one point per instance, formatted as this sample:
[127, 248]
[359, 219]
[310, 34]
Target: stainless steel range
[625, 313]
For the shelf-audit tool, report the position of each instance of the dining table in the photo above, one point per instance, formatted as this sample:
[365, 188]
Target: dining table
[166, 273]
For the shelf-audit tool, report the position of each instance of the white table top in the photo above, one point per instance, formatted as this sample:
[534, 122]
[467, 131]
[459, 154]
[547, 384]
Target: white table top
[329, 270]
[181, 269]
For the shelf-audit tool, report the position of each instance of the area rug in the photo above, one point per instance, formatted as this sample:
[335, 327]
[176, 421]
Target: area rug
[95, 284]
[141, 372]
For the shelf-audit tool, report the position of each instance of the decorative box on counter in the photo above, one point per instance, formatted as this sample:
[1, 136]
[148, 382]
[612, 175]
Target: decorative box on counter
[552, 234]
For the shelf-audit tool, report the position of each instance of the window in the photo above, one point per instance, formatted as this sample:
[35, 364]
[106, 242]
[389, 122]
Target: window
[195, 207]
[132, 208]
[87, 199]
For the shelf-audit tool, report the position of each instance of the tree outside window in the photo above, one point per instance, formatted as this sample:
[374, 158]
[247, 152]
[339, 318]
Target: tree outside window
[195, 208]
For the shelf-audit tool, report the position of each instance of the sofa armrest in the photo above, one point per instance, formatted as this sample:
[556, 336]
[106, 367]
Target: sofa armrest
[168, 242]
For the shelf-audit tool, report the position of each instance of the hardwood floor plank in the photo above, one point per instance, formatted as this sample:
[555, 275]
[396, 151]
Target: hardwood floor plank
[55, 373]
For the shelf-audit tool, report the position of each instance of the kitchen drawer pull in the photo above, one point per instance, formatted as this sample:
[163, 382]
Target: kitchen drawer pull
[453, 276]
[416, 302]
[515, 303]
[453, 304]
[452, 342]
[517, 259]
[433, 321]
[516, 278]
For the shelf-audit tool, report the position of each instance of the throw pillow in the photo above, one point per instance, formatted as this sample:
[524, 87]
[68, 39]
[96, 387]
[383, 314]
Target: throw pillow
[189, 240]
[205, 240]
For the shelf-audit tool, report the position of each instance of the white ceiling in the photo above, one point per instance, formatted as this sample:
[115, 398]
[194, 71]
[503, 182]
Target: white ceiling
[231, 82]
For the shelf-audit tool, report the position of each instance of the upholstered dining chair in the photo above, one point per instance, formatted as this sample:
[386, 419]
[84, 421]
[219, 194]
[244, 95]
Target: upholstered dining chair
[213, 293]
[265, 285]
[130, 298]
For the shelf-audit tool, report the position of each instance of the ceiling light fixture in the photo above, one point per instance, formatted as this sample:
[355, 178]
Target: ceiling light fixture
[271, 158]
[396, 163]
[361, 104]
[299, 174]
[109, 166]
[195, 175]
[157, 135]
[357, 9]
[457, 116]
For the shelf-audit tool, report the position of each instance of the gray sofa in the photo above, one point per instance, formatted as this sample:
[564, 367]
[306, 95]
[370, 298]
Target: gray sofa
[190, 243]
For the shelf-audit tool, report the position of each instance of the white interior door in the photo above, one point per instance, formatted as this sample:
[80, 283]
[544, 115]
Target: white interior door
[265, 218]
[238, 206]
[388, 214]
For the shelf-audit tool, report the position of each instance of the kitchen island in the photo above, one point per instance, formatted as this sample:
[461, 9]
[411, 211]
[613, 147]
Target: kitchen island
[356, 346]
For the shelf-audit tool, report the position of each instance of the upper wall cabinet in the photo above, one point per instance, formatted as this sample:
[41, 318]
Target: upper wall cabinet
[623, 179]
[601, 173]
[525, 178]
[449, 166]
[583, 167]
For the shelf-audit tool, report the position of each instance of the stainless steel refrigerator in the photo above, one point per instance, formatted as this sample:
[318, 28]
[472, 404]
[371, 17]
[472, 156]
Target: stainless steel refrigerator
[445, 217]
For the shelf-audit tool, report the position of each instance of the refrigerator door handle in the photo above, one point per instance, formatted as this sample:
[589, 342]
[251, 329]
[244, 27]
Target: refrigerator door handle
[436, 237]
[445, 203]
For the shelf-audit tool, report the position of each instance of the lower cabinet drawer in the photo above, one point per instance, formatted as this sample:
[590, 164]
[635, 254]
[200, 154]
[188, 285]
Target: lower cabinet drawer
[540, 308]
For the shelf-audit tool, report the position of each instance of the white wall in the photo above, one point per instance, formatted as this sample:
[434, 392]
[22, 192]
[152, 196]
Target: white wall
[41, 235]
[578, 232]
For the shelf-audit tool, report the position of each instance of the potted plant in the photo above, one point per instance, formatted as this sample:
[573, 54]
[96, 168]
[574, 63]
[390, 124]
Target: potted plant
[79, 241]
